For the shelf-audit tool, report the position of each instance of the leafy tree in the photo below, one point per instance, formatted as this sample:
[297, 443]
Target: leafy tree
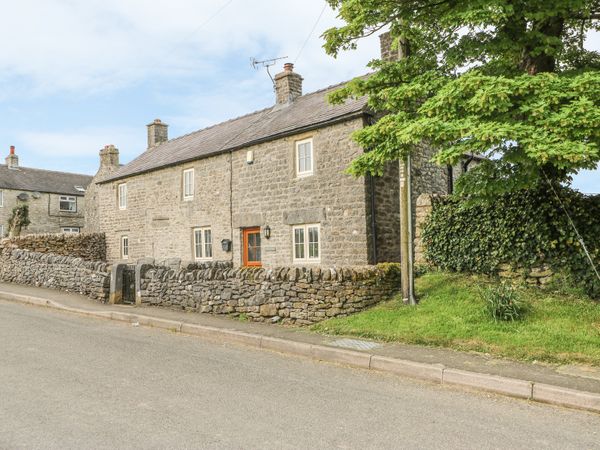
[18, 220]
[508, 79]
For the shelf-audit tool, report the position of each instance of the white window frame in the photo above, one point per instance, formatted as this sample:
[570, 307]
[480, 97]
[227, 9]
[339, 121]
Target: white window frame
[188, 195]
[306, 259]
[122, 196]
[305, 173]
[71, 230]
[124, 247]
[201, 248]
[1, 198]
[69, 199]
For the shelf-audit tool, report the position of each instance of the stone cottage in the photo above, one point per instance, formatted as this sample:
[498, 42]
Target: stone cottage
[266, 189]
[55, 199]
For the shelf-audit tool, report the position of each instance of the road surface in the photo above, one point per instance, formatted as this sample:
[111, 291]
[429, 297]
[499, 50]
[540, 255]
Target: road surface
[73, 382]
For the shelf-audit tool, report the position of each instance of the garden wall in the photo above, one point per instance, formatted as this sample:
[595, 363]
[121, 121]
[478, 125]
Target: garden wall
[287, 295]
[89, 246]
[64, 273]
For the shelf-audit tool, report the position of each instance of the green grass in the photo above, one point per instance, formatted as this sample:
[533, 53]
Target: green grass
[558, 327]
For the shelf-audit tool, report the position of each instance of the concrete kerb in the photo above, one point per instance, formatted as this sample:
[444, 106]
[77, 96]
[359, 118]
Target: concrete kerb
[435, 373]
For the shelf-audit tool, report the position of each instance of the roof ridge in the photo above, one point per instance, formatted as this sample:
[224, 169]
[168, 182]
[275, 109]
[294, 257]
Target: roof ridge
[258, 111]
[51, 171]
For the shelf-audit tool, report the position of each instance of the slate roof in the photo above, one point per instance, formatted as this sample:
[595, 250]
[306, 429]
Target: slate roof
[38, 180]
[306, 112]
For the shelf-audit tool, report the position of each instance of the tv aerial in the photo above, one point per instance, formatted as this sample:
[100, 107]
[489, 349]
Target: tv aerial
[256, 65]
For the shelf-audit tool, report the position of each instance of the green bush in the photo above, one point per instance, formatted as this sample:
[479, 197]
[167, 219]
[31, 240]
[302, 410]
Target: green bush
[524, 229]
[503, 302]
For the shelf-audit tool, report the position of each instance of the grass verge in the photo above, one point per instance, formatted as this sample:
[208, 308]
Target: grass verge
[559, 327]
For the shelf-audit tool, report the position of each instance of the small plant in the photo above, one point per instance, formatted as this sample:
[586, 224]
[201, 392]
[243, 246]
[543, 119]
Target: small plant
[503, 302]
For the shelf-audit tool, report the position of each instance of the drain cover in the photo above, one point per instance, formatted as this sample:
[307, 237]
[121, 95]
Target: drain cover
[355, 344]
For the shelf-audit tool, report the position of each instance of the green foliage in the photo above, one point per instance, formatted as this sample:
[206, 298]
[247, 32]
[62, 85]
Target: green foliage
[503, 302]
[505, 79]
[524, 229]
[19, 218]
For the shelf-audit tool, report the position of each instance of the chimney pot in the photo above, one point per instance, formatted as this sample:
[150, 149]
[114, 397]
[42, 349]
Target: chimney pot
[109, 159]
[158, 132]
[288, 85]
[12, 160]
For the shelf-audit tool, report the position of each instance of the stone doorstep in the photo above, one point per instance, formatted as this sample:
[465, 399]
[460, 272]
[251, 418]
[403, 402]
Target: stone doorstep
[436, 373]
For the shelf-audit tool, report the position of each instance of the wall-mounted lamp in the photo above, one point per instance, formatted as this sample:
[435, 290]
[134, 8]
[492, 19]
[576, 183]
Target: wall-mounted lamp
[267, 232]
[226, 245]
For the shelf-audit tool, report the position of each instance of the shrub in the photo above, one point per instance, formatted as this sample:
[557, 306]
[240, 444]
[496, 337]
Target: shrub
[523, 229]
[503, 302]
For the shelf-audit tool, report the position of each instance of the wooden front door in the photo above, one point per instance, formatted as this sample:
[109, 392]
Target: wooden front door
[251, 255]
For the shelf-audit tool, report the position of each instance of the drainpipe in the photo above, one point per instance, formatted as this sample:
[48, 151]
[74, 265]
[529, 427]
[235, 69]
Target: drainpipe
[450, 180]
[373, 219]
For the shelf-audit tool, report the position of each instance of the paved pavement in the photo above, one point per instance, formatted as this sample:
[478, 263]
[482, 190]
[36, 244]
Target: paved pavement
[580, 378]
[68, 381]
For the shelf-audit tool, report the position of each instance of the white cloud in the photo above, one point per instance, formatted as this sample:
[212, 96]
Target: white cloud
[101, 45]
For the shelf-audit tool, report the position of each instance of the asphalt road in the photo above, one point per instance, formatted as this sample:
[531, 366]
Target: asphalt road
[73, 382]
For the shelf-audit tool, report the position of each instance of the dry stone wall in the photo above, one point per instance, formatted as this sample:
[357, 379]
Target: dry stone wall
[90, 247]
[64, 273]
[285, 294]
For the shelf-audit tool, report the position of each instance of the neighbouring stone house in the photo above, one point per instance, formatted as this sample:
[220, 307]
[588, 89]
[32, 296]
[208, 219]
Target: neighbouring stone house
[55, 199]
[266, 189]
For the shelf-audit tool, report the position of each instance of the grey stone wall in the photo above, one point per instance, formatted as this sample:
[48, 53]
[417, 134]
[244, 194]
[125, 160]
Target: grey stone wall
[231, 195]
[285, 294]
[91, 247]
[387, 213]
[64, 273]
[44, 212]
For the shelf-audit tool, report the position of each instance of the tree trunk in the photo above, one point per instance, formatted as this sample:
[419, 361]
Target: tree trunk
[533, 62]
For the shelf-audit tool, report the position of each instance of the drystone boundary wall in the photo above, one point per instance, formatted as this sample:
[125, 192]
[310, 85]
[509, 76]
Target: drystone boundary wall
[64, 273]
[286, 295]
[88, 246]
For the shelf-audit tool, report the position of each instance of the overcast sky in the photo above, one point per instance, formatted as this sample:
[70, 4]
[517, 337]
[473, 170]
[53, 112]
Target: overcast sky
[76, 75]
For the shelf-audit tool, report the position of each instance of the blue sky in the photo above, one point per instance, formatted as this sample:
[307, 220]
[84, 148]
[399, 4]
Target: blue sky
[76, 76]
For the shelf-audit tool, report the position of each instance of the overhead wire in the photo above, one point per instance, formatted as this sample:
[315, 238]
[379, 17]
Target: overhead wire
[311, 33]
[572, 223]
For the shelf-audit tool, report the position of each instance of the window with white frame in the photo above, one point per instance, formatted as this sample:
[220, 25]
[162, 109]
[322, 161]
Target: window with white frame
[188, 184]
[307, 243]
[70, 230]
[67, 203]
[122, 196]
[203, 243]
[124, 247]
[1, 231]
[1, 198]
[304, 158]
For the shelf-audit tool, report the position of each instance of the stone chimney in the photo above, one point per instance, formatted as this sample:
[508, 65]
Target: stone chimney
[288, 85]
[158, 133]
[109, 159]
[12, 160]
[388, 53]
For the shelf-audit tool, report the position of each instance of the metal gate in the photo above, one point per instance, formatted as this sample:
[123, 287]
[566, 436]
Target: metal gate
[129, 285]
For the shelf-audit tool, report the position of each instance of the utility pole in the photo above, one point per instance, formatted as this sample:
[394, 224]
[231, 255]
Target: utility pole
[406, 216]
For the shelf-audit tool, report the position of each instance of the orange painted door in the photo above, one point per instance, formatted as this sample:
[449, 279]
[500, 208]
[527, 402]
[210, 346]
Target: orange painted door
[252, 253]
